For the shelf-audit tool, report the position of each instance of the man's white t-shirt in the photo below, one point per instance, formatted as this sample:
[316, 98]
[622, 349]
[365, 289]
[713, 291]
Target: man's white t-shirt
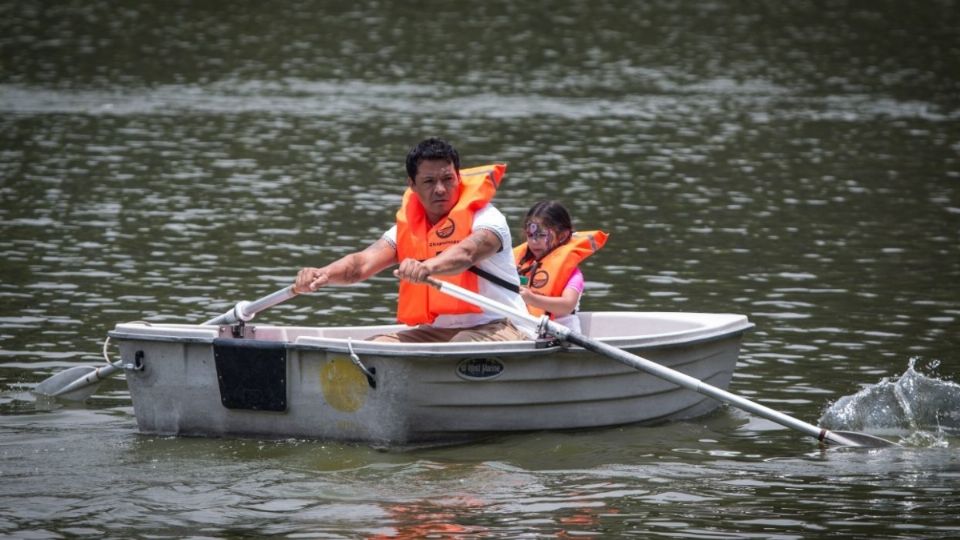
[500, 264]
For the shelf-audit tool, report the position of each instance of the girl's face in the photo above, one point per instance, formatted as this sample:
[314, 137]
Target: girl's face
[540, 238]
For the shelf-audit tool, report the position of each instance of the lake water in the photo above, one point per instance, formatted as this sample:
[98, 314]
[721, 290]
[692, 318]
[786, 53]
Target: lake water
[795, 162]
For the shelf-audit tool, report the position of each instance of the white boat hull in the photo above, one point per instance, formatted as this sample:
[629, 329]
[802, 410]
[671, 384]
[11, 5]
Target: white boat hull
[300, 382]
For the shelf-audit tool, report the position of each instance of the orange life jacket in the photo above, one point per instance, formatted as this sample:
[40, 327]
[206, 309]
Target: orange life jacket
[550, 275]
[417, 239]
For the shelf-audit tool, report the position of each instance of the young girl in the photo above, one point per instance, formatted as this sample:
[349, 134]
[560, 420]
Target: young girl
[548, 262]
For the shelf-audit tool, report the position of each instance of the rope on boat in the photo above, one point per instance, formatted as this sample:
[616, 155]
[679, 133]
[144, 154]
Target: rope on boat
[356, 360]
[106, 343]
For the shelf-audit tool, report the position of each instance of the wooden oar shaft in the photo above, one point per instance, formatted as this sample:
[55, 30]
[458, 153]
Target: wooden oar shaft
[637, 362]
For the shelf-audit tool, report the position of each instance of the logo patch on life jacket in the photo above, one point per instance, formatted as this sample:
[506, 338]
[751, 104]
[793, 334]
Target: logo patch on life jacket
[447, 229]
[477, 369]
[540, 279]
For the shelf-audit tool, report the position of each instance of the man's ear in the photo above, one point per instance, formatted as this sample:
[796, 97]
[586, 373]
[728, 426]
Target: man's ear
[410, 182]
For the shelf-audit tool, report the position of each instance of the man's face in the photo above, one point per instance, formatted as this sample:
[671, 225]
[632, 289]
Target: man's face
[438, 186]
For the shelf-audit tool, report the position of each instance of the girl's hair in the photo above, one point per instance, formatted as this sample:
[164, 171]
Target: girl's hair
[552, 214]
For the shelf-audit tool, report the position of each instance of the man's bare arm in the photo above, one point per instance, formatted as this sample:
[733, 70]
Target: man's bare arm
[349, 269]
[480, 245]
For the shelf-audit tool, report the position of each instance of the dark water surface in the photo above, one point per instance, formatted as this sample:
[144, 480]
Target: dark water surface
[796, 162]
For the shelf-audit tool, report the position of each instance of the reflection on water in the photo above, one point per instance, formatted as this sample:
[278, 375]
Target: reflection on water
[796, 162]
[690, 477]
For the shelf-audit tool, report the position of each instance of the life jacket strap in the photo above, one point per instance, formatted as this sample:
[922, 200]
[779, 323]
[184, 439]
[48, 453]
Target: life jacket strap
[496, 280]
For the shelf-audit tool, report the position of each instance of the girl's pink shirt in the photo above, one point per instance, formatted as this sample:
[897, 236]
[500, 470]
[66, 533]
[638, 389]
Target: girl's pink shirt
[575, 281]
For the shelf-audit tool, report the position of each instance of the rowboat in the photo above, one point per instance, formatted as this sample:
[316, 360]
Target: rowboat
[331, 383]
[227, 378]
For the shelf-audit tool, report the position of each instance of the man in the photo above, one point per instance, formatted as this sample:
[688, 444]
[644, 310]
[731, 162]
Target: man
[447, 229]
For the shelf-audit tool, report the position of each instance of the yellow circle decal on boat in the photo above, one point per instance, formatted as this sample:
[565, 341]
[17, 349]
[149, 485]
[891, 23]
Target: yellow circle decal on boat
[344, 386]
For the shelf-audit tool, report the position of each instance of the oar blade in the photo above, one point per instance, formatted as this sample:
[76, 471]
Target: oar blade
[54, 385]
[863, 440]
[80, 393]
[80, 382]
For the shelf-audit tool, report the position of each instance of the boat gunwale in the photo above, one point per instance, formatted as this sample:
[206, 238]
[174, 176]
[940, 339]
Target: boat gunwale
[692, 336]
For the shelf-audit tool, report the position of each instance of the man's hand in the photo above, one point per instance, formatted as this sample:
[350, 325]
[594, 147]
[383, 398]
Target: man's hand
[310, 279]
[348, 269]
[413, 271]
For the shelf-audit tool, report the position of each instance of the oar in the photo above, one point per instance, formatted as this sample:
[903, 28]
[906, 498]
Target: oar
[80, 382]
[844, 438]
[244, 311]
[75, 384]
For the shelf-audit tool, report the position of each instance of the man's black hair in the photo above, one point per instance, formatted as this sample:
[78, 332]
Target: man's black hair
[431, 148]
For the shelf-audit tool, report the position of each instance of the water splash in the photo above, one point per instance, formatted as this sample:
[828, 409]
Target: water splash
[923, 409]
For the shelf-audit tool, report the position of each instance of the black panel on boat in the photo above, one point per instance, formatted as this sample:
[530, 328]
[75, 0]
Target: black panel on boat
[252, 374]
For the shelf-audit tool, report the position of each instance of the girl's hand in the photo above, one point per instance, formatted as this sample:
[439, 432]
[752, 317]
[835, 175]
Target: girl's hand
[527, 295]
[559, 305]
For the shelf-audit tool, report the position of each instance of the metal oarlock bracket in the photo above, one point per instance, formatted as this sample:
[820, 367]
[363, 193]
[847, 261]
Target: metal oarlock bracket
[137, 364]
[542, 332]
[238, 330]
[548, 342]
[369, 372]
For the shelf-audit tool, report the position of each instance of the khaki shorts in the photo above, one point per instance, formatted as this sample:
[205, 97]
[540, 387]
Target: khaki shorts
[502, 330]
